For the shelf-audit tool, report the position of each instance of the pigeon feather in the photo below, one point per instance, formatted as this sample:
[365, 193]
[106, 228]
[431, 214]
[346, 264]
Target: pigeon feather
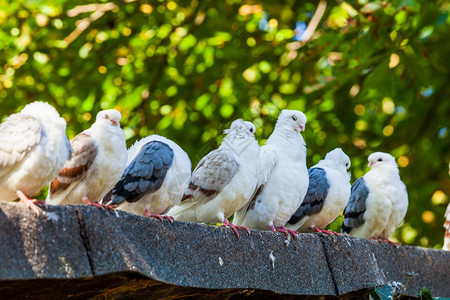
[378, 201]
[33, 148]
[155, 178]
[97, 163]
[223, 180]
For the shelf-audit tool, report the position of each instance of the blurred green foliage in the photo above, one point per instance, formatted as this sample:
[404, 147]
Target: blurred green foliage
[372, 76]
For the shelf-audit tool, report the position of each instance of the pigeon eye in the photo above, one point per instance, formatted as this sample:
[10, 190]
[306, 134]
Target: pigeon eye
[251, 130]
[346, 164]
[379, 159]
[106, 117]
[294, 118]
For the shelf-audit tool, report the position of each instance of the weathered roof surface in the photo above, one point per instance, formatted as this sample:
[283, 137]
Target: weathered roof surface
[83, 251]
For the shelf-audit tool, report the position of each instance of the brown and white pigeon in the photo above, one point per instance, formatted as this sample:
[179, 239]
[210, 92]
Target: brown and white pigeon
[33, 148]
[98, 161]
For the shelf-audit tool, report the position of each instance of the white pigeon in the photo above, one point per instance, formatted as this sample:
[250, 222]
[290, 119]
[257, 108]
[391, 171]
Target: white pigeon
[157, 173]
[447, 229]
[328, 194]
[33, 148]
[282, 179]
[378, 200]
[223, 181]
[98, 161]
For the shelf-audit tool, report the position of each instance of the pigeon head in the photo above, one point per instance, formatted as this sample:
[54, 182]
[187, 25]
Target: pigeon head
[241, 127]
[44, 112]
[339, 158]
[293, 119]
[110, 116]
[250, 127]
[380, 158]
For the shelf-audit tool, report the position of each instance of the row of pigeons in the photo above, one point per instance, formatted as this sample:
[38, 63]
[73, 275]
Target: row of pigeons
[267, 187]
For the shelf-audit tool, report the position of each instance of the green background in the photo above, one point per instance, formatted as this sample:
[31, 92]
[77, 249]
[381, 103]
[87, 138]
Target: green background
[374, 76]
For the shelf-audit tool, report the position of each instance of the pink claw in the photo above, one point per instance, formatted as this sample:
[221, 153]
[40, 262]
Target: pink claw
[31, 203]
[233, 227]
[158, 216]
[168, 218]
[390, 242]
[98, 205]
[329, 232]
[284, 230]
[386, 241]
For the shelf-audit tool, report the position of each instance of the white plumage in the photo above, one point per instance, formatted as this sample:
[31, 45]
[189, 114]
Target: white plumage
[447, 229]
[327, 196]
[224, 180]
[157, 174]
[282, 176]
[378, 200]
[98, 161]
[33, 148]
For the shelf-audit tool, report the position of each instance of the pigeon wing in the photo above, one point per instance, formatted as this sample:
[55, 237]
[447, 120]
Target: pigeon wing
[266, 162]
[19, 134]
[145, 173]
[85, 149]
[315, 196]
[356, 207]
[211, 175]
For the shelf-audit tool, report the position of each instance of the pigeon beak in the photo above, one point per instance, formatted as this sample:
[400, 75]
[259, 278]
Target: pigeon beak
[114, 122]
[370, 164]
[302, 127]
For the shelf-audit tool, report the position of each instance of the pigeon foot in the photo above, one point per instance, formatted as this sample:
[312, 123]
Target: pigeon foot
[98, 205]
[158, 216]
[284, 230]
[31, 203]
[233, 227]
[329, 232]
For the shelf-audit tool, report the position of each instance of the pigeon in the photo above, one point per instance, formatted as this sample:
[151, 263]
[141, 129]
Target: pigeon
[328, 194]
[157, 173]
[447, 229]
[223, 181]
[33, 148]
[98, 161]
[282, 177]
[378, 200]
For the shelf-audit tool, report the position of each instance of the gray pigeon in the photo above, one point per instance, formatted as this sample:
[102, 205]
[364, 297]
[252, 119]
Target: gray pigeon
[378, 200]
[327, 196]
[157, 173]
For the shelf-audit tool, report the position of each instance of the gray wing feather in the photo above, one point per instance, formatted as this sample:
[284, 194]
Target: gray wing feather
[211, 175]
[315, 196]
[19, 134]
[356, 207]
[145, 174]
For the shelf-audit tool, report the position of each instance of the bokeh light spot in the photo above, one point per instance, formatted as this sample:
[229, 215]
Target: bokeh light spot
[359, 109]
[388, 130]
[403, 161]
[388, 105]
[394, 60]
[428, 217]
[102, 69]
[439, 198]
